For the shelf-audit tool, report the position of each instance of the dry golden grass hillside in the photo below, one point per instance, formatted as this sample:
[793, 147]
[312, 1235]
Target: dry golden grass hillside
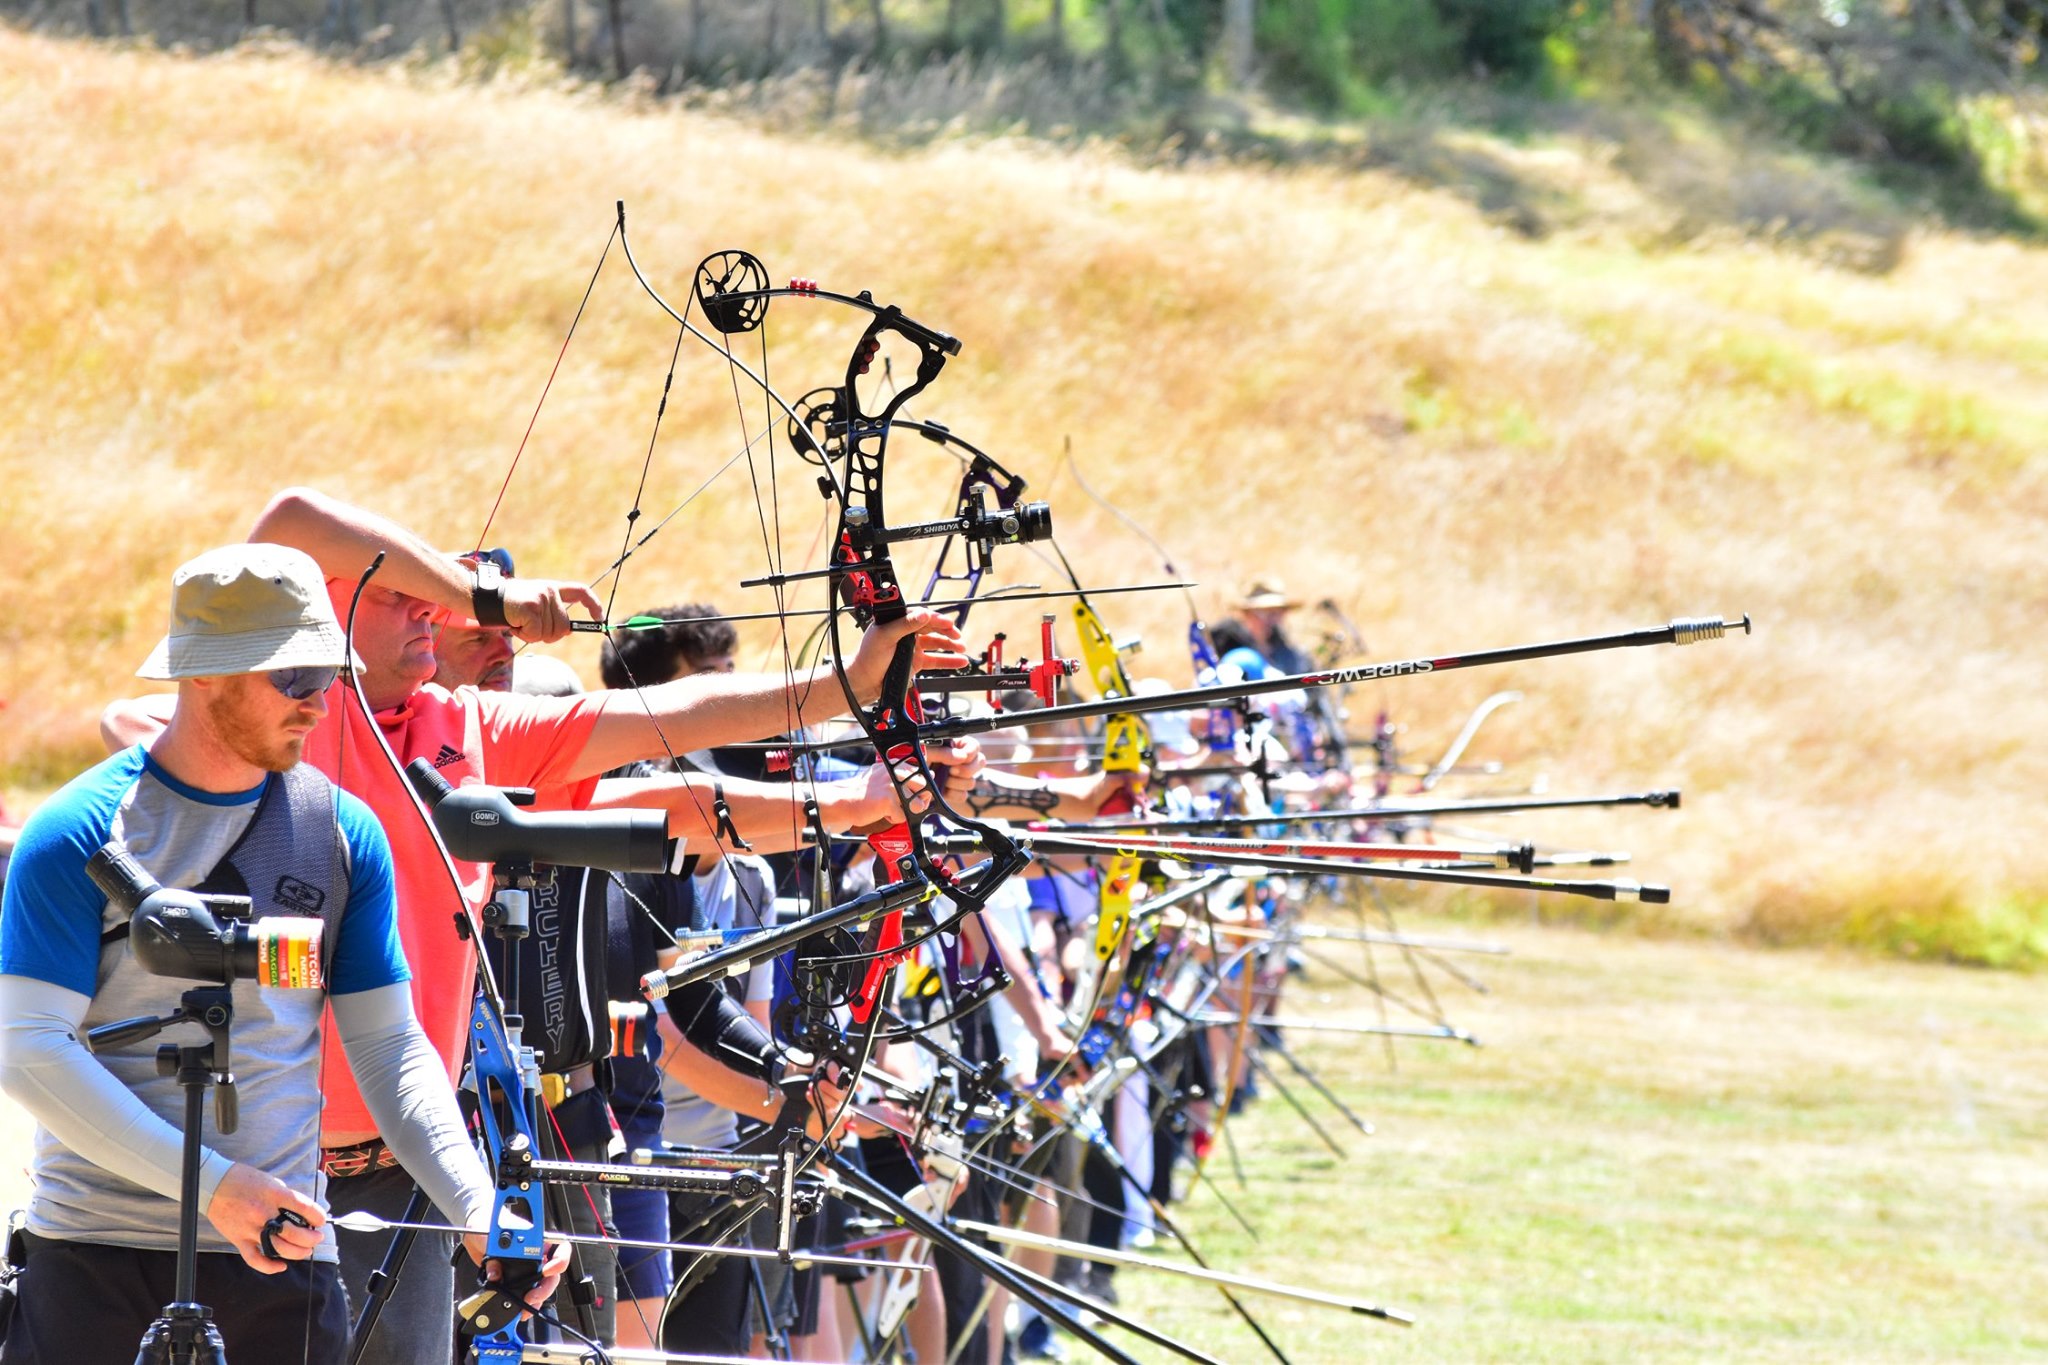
[222, 275]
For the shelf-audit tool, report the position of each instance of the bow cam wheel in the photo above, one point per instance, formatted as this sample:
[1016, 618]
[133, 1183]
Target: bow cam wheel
[732, 289]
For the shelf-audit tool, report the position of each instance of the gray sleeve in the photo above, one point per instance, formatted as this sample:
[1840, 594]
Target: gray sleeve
[405, 1084]
[754, 884]
[45, 1067]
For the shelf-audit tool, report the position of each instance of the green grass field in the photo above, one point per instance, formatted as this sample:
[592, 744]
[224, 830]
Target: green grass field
[1666, 1150]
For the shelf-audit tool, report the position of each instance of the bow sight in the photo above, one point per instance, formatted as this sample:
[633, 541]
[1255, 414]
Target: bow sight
[1020, 525]
[1041, 679]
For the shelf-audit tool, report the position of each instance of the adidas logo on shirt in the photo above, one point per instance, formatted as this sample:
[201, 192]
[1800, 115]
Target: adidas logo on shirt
[449, 754]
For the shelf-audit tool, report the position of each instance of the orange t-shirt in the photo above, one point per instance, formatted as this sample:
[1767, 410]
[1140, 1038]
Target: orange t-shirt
[471, 737]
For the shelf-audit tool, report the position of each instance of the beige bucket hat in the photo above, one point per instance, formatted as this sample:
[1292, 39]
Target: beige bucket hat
[247, 608]
[1266, 594]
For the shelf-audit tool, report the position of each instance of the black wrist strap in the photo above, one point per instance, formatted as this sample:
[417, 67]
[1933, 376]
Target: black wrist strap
[487, 597]
[728, 833]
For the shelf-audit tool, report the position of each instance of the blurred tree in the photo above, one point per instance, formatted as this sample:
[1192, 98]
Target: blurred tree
[1237, 42]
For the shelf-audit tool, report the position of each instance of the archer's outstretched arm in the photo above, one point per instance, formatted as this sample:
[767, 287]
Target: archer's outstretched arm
[343, 539]
[691, 713]
[769, 816]
[707, 710]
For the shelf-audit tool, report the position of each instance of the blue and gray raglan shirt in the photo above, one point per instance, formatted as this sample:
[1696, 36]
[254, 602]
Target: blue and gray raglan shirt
[52, 919]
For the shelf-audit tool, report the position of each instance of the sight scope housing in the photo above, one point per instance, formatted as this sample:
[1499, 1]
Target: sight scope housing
[197, 936]
[486, 825]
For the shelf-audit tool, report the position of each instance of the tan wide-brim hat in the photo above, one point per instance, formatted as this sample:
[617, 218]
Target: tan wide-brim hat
[247, 608]
[1266, 594]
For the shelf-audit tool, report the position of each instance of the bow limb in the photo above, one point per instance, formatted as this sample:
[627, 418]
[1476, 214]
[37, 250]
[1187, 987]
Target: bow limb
[730, 292]
[834, 431]
[867, 586]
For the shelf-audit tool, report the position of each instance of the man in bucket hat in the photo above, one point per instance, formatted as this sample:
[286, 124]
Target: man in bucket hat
[1263, 607]
[218, 803]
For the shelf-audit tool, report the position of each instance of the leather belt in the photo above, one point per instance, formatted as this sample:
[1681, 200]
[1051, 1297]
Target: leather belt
[357, 1159]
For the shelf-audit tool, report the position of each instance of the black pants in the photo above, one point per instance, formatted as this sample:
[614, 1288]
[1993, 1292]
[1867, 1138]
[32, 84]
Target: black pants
[83, 1303]
[417, 1322]
[961, 1282]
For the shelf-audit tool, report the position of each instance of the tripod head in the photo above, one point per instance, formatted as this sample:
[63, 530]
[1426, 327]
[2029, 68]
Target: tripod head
[212, 1008]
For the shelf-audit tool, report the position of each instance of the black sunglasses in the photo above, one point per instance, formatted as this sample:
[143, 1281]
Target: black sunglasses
[302, 683]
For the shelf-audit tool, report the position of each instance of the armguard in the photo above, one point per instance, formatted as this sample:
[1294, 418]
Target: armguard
[720, 1027]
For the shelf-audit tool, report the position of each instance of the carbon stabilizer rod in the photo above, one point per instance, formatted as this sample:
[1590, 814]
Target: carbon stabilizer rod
[1685, 630]
[1656, 800]
[741, 956]
[1314, 867]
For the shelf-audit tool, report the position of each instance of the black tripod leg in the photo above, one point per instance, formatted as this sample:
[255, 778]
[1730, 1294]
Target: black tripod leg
[776, 1340]
[1316, 1084]
[1160, 1216]
[386, 1274]
[1230, 1150]
[870, 1350]
[1168, 1100]
[981, 1307]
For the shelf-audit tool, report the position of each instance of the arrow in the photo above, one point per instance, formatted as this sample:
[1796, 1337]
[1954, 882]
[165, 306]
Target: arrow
[364, 1221]
[995, 1232]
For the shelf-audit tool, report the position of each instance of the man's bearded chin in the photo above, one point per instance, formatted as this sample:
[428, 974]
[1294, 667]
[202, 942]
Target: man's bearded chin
[254, 741]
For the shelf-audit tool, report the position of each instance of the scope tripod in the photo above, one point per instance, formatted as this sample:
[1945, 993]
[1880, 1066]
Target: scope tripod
[184, 1334]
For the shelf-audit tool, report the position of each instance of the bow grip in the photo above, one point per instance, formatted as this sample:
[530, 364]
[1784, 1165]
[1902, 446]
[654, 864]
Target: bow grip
[889, 951]
[498, 1306]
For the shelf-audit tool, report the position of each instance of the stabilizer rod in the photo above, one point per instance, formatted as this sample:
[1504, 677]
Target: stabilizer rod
[1683, 631]
[1656, 800]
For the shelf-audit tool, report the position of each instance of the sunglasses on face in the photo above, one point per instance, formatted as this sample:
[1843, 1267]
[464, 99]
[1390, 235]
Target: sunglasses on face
[302, 683]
